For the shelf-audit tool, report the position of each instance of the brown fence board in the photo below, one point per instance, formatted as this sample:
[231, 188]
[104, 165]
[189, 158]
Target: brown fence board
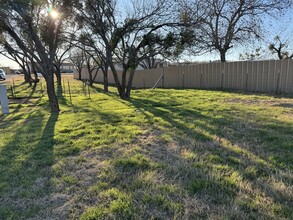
[260, 76]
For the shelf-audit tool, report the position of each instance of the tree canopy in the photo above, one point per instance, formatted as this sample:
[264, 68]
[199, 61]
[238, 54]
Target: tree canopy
[224, 24]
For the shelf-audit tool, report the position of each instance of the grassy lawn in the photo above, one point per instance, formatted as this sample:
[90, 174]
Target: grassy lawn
[165, 154]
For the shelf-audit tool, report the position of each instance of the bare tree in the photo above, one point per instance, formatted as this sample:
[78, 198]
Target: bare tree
[226, 23]
[281, 48]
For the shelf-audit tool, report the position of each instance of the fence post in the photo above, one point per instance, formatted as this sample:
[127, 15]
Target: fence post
[143, 79]
[163, 78]
[41, 84]
[12, 93]
[69, 92]
[183, 80]
[201, 80]
[13, 88]
[64, 87]
[278, 81]
[83, 86]
[246, 82]
[4, 99]
[222, 79]
[88, 86]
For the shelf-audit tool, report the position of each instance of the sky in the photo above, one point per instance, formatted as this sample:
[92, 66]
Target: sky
[282, 26]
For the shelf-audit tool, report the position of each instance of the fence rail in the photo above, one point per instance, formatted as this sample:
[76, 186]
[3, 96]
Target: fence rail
[254, 76]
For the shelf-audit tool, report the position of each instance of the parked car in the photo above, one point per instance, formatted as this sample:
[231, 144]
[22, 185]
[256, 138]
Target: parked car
[2, 74]
[66, 71]
[17, 72]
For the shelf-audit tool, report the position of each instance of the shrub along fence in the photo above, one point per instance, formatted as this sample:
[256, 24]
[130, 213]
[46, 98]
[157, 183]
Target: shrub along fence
[273, 76]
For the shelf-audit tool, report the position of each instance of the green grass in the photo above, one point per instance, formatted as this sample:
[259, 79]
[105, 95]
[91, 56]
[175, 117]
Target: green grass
[164, 154]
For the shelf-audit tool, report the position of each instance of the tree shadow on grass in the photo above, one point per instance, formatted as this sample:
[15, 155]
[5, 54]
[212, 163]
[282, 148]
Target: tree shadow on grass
[26, 169]
[223, 160]
[191, 123]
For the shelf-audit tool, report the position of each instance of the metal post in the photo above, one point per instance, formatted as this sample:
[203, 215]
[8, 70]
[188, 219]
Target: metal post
[13, 88]
[4, 99]
[64, 87]
[163, 78]
[183, 80]
[246, 82]
[278, 81]
[69, 92]
[88, 87]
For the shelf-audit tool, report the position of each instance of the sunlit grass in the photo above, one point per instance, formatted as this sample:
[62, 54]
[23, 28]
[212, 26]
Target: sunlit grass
[164, 154]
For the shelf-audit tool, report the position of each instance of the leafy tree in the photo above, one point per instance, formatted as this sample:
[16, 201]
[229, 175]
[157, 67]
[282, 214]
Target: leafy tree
[281, 48]
[122, 40]
[255, 54]
[37, 32]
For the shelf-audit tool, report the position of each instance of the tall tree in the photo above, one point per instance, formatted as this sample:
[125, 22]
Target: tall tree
[226, 23]
[119, 38]
[99, 21]
[37, 24]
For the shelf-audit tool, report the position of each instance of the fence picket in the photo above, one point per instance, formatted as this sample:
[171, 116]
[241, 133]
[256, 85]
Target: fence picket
[261, 76]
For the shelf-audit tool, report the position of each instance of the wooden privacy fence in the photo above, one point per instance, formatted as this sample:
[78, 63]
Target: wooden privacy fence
[255, 76]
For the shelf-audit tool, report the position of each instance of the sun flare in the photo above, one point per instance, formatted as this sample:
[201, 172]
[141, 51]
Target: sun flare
[54, 14]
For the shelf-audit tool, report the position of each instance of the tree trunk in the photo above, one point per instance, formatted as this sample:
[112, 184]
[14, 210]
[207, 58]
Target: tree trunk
[121, 91]
[58, 76]
[27, 77]
[91, 81]
[51, 93]
[223, 56]
[94, 77]
[106, 82]
[129, 84]
[127, 93]
[105, 69]
[27, 74]
[36, 77]
[122, 87]
[79, 75]
[90, 71]
[59, 80]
